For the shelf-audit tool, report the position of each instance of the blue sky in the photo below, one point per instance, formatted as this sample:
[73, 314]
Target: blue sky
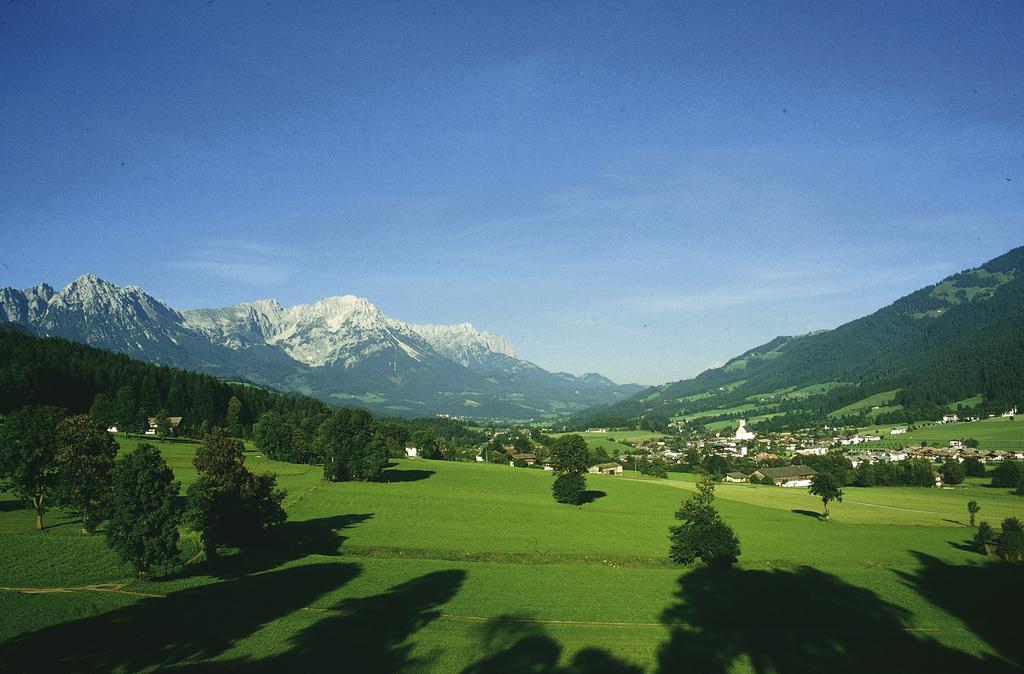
[639, 189]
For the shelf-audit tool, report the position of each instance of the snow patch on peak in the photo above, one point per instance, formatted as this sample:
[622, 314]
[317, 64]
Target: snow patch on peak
[463, 344]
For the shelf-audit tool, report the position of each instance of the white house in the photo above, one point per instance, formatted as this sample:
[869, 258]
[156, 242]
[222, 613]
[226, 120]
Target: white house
[950, 418]
[1010, 412]
[897, 431]
[172, 423]
[112, 429]
[412, 451]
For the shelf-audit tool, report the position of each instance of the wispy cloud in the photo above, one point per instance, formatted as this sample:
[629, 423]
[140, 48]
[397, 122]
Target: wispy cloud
[252, 263]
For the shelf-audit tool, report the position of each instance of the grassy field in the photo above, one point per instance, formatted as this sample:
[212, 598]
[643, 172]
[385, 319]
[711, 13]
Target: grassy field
[453, 567]
[612, 440]
[997, 433]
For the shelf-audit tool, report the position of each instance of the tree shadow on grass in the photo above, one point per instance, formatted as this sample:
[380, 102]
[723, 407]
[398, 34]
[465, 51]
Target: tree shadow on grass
[983, 596]
[280, 544]
[808, 513]
[396, 475]
[796, 621]
[966, 546]
[591, 495]
[183, 627]
[12, 505]
[514, 645]
[372, 634]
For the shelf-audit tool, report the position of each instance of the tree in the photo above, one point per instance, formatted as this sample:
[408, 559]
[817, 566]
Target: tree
[126, 410]
[654, 468]
[1007, 474]
[521, 444]
[274, 436]
[1011, 540]
[426, 441]
[143, 524]
[228, 505]
[826, 485]
[104, 410]
[345, 441]
[717, 465]
[702, 534]
[974, 467]
[569, 488]
[952, 472]
[28, 447]
[235, 417]
[85, 463]
[972, 509]
[983, 537]
[569, 453]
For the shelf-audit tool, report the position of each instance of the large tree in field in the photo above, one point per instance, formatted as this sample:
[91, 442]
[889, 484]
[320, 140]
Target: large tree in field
[570, 455]
[85, 462]
[274, 436]
[28, 447]
[701, 533]
[826, 486]
[143, 520]
[229, 505]
[347, 444]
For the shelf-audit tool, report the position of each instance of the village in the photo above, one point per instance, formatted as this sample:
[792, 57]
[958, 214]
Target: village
[784, 459]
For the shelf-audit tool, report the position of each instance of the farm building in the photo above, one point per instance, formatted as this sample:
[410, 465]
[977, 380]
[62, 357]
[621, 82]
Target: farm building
[735, 477]
[528, 459]
[606, 469]
[171, 421]
[786, 476]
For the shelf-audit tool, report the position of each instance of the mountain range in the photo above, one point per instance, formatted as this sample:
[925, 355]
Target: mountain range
[340, 349]
[956, 344]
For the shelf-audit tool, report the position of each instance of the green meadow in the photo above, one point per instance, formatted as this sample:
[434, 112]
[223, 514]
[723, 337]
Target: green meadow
[459, 567]
[995, 433]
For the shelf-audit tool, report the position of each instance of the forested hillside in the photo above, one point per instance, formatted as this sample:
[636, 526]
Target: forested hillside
[955, 340]
[80, 378]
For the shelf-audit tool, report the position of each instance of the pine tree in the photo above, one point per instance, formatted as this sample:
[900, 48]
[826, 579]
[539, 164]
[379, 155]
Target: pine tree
[143, 522]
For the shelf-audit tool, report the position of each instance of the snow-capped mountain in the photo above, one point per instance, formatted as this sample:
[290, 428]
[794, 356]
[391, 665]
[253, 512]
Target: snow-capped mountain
[341, 349]
[464, 345]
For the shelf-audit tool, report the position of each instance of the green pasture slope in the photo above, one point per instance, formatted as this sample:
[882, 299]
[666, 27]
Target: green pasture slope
[458, 567]
[996, 433]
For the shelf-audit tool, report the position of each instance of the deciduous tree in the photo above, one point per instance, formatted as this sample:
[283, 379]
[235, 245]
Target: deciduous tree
[826, 486]
[143, 522]
[569, 453]
[28, 448]
[972, 509]
[85, 462]
[228, 505]
[347, 446]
